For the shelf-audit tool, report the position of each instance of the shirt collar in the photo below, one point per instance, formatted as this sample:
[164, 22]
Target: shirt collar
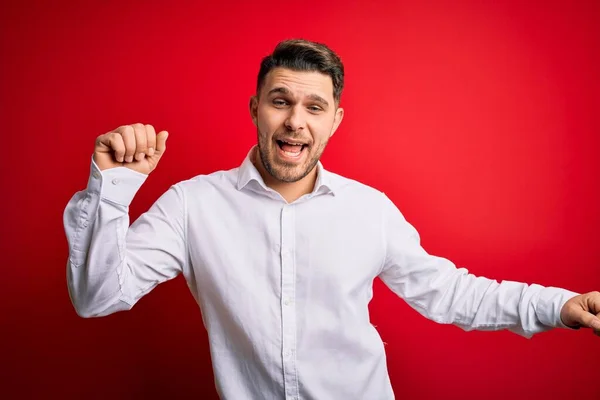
[248, 173]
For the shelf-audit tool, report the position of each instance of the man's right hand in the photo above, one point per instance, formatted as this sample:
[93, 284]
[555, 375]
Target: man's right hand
[134, 146]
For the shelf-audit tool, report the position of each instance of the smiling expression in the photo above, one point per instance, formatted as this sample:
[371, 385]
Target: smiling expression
[295, 115]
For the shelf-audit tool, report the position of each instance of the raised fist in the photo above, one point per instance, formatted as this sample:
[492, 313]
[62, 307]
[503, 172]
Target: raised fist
[134, 146]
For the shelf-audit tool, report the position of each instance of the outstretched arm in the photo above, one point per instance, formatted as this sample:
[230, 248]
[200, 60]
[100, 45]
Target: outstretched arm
[440, 291]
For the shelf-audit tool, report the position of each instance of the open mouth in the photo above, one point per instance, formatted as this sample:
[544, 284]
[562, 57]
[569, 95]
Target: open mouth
[291, 149]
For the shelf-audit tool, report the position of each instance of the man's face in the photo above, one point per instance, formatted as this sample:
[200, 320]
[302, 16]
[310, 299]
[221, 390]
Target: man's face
[295, 115]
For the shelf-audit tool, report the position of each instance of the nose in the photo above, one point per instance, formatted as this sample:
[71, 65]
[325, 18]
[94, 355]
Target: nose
[296, 120]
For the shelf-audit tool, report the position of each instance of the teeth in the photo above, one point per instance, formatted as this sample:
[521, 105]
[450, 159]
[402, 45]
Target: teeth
[293, 144]
[289, 153]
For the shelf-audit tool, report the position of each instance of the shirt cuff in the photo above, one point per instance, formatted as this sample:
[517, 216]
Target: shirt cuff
[118, 185]
[550, 304]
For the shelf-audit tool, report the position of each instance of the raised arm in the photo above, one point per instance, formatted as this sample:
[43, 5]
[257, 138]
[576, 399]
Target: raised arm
[111, 265]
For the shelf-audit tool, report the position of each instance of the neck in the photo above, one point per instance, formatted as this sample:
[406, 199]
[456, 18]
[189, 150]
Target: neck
[290, 191]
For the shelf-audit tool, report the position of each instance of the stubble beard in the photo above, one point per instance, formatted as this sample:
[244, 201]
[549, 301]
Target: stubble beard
[286, 172]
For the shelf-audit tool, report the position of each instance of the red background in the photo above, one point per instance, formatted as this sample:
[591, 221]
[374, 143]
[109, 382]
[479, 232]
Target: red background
[480, 121]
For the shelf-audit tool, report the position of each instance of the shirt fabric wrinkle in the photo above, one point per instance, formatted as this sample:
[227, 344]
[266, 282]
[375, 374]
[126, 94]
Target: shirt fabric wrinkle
[283, 288]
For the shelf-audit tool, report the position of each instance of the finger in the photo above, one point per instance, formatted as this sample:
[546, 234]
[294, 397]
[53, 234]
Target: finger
[588, 320]
[112, 142]
[161, 141]
[141, 143]
[594, 302]
[115, 141]
[128, 135]
[150, 139]
[103, 141]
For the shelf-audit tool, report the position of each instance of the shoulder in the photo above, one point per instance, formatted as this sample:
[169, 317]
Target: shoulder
[354, 189]
[222, 180]
[364, 197]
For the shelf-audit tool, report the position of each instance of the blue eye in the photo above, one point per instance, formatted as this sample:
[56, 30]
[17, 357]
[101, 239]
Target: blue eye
[279, 102]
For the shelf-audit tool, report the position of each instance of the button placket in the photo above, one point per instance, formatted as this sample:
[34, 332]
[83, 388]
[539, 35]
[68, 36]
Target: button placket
[288, 311]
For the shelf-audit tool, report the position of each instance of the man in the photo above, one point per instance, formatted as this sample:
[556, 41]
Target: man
[281, 254]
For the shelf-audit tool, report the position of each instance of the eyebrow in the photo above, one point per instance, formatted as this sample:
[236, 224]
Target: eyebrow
[286, 91]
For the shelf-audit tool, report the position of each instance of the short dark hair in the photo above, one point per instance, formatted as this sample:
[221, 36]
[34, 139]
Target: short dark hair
[304, 55]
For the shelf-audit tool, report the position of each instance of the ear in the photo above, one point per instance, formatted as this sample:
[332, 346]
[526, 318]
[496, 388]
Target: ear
[337, 120]
[253, 105]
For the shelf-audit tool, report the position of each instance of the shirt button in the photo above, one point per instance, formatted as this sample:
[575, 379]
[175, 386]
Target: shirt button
[96, 175]
[115, 181]
[287, 302]
[85, 224]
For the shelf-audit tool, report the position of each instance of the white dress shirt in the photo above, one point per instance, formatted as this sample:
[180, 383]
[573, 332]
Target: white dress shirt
[283, 288]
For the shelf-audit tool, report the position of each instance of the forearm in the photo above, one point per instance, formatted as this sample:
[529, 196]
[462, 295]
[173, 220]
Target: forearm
[450, 295]
[96, 229]
[525, 309]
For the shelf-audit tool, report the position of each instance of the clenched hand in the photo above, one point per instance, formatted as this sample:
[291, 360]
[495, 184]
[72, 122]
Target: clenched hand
[583, 311]
[134, 146]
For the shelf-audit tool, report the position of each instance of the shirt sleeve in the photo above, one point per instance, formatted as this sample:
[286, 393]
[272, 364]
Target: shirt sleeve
[440, 291]
[111, 265]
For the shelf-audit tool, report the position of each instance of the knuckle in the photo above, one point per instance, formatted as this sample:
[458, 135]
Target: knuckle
[117, 141]
[107, 138]
[140, 130]
[128, 130]
[140, 133]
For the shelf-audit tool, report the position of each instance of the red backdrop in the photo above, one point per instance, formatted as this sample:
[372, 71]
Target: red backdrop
[480, 121]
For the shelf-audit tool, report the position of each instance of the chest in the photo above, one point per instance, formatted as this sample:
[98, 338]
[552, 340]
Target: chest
[322, 247]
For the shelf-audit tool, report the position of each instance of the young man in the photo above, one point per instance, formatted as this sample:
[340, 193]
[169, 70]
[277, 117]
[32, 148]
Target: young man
[281, 254]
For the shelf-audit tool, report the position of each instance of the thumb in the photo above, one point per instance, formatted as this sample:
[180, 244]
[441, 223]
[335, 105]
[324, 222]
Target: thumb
[161, 141]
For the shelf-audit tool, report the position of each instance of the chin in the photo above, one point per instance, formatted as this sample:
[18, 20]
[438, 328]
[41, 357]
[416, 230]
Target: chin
[284, 170]
[287, 173]
[287, 163]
